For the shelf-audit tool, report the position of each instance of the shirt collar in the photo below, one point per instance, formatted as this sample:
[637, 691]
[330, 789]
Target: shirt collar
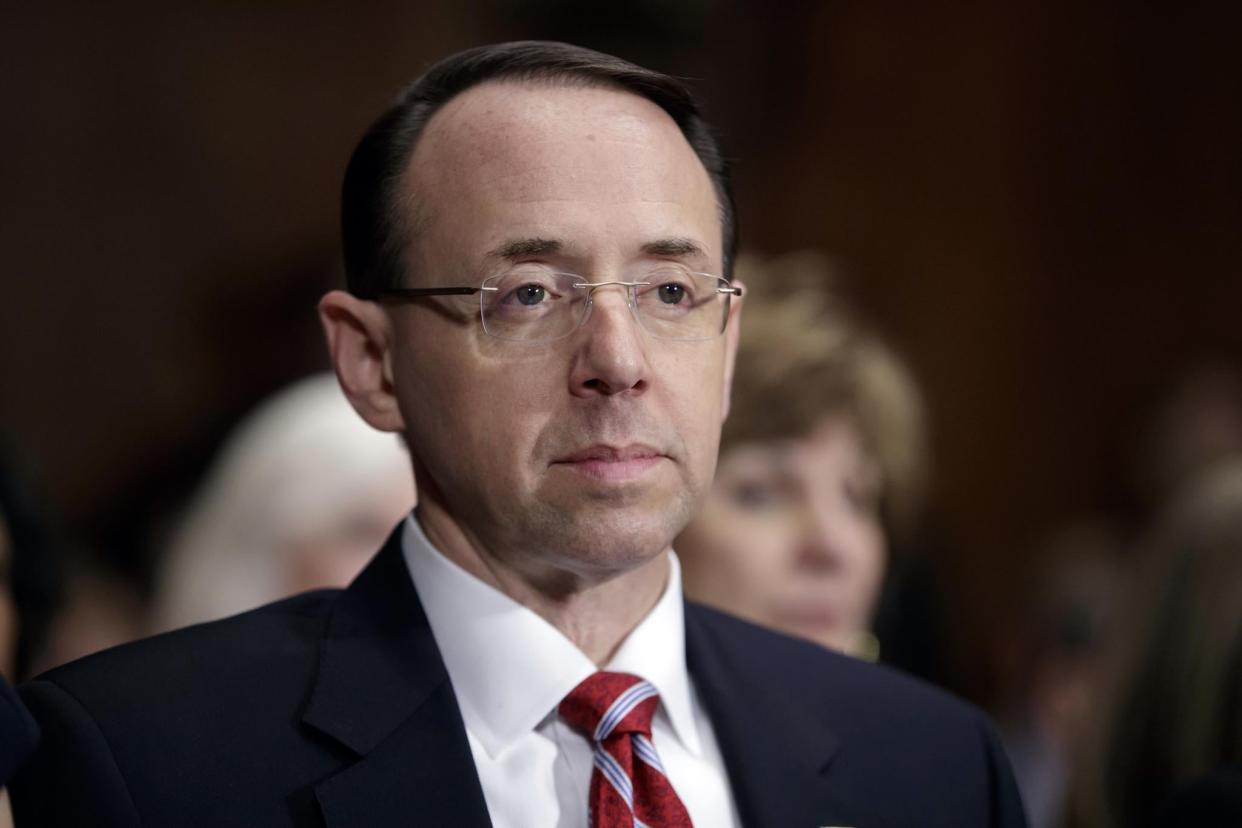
[510, 668]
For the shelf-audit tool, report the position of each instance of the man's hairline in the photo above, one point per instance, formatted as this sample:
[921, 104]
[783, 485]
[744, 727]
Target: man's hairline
[417, 216]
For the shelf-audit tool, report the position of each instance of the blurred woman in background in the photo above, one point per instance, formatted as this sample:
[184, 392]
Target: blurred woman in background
[1168, 747]
[821, 460]
[302, 496]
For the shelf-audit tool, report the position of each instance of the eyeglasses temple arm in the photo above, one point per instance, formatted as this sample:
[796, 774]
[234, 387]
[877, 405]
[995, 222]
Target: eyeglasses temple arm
[437, 291]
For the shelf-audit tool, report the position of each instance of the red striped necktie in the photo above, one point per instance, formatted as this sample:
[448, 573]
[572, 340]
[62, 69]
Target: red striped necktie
[629, 788]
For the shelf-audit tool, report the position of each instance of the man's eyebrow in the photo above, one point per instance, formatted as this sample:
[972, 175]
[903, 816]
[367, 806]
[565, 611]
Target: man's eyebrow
[677, 246]
[518, 248]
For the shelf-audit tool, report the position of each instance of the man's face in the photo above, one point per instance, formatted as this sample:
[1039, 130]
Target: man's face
[588, 454]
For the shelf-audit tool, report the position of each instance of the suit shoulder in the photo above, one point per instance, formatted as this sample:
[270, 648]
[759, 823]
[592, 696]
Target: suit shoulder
[134, 733]
[245, 646]
[822, 678]
[910, 752]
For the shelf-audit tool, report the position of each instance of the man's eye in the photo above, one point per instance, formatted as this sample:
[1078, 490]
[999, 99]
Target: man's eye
[671, 293]
[530, 294]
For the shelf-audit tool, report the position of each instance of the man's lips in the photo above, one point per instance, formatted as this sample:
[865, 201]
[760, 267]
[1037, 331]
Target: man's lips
[611, 463]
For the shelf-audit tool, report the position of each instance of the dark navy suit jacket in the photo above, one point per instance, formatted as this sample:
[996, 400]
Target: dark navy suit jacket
[18, 733]
[334, 708]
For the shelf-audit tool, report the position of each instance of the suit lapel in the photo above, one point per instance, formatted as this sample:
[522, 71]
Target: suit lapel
[382, 692]
[422, 774]
[777, 756]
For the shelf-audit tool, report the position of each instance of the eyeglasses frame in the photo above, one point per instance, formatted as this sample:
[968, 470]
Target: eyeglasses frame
[461, 290]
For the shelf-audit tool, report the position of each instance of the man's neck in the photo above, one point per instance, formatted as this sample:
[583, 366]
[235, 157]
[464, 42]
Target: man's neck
[596, 614]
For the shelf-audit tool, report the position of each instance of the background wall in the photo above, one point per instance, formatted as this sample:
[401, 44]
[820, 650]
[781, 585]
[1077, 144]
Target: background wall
[1040, 203]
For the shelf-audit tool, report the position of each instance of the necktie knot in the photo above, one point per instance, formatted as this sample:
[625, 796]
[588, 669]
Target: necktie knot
[607, 704]
[629, 787]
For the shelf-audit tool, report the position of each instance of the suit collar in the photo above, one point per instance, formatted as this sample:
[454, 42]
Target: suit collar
[510, 667]
[378, 660]
[777, 755]
[381, 690]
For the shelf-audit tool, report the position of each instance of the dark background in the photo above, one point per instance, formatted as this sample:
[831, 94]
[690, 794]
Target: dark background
[1040, 203]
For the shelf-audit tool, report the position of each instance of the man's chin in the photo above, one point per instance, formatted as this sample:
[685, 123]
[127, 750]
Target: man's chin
[610, 538]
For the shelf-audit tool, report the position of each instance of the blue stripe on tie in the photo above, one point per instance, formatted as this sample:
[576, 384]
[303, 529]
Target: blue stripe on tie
[617, 710]
[621, 708]
[612, 771]
[646, 751]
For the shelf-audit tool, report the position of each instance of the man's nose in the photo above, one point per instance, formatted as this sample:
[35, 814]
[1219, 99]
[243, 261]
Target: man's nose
[611, 356]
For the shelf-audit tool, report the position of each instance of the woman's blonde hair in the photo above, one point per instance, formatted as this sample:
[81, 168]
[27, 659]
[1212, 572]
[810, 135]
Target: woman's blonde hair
[805, 355]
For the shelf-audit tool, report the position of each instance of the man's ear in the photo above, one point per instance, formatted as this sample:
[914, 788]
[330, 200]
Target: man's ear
[732, 334]
[359, 337]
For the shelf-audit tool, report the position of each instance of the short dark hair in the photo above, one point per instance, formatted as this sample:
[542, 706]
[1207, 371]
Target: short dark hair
[374, 231]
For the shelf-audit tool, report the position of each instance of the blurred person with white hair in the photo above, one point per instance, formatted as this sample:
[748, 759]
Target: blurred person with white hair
[301, 495]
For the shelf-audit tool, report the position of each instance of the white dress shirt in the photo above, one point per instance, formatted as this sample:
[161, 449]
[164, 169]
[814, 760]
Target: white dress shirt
[510, 669]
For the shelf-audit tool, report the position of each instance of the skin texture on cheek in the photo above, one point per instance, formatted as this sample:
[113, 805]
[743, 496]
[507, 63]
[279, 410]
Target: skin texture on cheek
[452, 400]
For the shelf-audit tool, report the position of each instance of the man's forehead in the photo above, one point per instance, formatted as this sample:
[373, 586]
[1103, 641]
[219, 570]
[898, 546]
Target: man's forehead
[507, 127]
[492, 108]
[568, 154]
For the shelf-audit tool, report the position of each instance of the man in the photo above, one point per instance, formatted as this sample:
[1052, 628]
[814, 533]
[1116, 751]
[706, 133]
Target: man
[538, 243]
